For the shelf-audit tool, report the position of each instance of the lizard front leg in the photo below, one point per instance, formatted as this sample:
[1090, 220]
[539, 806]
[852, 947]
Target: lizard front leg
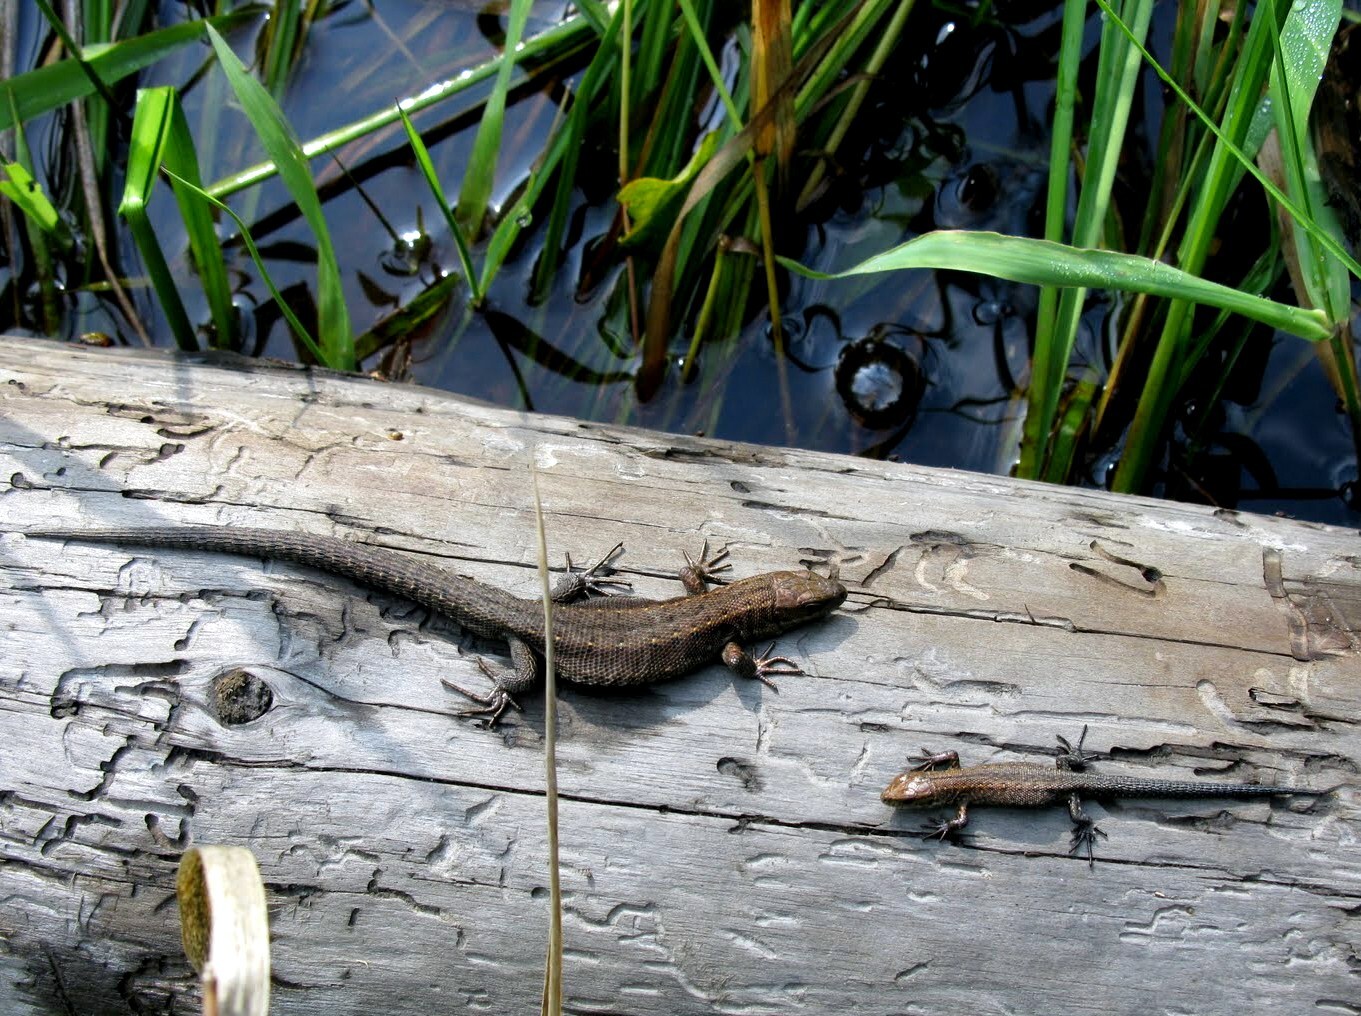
[762, 667]
[928, 760]
[696, 575]
[940, 830]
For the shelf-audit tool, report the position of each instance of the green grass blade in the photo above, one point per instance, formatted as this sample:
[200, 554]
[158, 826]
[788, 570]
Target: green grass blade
[407, 322]
[1304, 45]
[281, 44]
[150, 128]
[96, 21]
[477, 181]
[160, 136]
[1258, 279]
[1222, 174]
[75, 52]
[1072, 426]
[1051, 351]
[1227, 163]
[692, 24]
[47, 88]
[299, 331]
[884, 49]
[1043, 263]
[181, 158]
[518, 218]
[432, 179]
[849, 36]
[333, 320]
[652, 50]
[43, 262]
[625, 89]
[596, 13]
[1117, 79]
[1228, 149]
[1305, 40]
[679, 92]
[560, 162]
[558, 42]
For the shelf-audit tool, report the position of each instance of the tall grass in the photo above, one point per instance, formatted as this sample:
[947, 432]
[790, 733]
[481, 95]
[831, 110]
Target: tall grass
[706, 201]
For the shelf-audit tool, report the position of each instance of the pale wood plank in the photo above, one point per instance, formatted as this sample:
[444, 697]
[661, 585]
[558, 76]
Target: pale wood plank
[724, 848]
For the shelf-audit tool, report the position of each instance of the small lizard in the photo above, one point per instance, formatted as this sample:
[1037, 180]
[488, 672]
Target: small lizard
[938, 778]
[611, 642]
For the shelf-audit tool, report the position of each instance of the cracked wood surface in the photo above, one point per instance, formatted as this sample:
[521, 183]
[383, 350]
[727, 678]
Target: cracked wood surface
[724, 848]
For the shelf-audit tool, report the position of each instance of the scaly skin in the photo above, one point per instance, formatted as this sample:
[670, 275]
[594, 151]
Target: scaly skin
[938, 779]
[616, 642]
[1028, 785]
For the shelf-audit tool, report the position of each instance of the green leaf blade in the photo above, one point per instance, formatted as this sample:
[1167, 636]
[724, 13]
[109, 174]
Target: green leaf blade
[337, 339]
[1042, 262]
[47, 88]
[475, 193]
[150, 127]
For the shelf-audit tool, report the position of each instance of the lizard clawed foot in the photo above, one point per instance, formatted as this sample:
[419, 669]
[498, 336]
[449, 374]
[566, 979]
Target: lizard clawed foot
[490, 705]
[929, 760]
[762, 667]
[1074, 759]
[591, 581]
[706, 569]
[941, 829]
[1085, 833]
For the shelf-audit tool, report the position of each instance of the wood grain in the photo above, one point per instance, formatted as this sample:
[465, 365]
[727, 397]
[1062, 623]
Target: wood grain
[725, 849]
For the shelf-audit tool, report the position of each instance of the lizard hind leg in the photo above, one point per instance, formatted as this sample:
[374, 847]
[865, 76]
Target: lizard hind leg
[1085, 831]
[506, 684]
[594, 580]
[1074, 759]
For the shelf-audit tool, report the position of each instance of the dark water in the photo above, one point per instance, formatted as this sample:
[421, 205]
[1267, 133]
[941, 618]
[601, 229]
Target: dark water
[919, 366]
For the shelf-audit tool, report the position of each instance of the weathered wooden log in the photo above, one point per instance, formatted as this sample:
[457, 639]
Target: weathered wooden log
[724, 847]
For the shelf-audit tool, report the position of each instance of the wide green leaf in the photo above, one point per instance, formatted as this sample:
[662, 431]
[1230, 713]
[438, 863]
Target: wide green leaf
[27, 194]
[653, 204]
[1043, 263]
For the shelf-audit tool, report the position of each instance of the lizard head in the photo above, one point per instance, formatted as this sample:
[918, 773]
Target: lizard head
[804, 596]
[912, 788]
